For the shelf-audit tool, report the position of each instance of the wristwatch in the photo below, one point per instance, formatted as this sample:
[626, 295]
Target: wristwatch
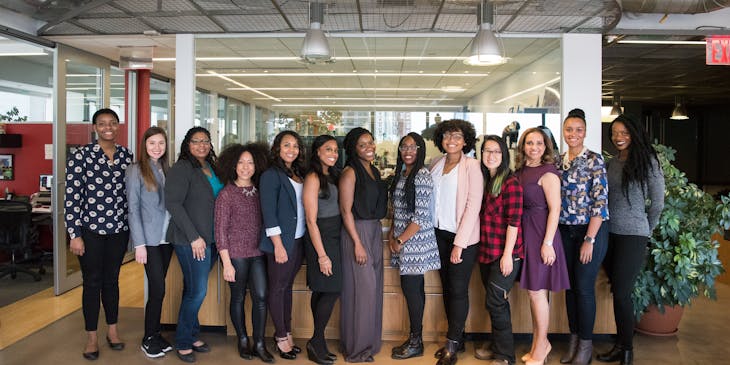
[399, 241]
[589, 239]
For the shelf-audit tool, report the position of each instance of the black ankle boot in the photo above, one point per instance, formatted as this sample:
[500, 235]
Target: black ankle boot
[244, 348]
[449, 354]
[627, 357]
[413, 347]
[440, 351]
[317, 357]
[611, 356]
[260, 351]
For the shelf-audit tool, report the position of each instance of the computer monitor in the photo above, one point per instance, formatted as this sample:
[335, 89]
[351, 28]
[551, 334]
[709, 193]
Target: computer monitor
[46, 181]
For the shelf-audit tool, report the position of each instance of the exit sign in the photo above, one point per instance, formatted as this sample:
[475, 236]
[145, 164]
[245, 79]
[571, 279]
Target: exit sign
[718, 50]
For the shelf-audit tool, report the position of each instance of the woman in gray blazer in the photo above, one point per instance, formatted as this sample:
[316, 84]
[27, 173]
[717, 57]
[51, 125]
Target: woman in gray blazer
[190, 192]
[148, 221]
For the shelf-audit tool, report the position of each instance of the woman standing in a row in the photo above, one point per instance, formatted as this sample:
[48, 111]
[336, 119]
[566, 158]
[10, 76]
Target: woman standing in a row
[411, 238]
[284, 230]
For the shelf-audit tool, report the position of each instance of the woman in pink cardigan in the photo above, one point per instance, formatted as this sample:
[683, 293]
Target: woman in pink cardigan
[458, 186]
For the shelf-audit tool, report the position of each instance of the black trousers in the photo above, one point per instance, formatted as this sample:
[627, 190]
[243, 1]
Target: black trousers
[412, 286]
[497, 288]
[281, 279]
[455, 283]
[158, 261]
[625, 258]
[251, 273]
[100, 266]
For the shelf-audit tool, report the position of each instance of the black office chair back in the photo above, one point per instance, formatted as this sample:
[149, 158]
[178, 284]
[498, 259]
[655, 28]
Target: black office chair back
[15, 220]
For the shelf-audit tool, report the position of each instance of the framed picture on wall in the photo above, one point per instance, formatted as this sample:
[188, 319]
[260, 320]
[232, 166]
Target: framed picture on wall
[7, 167]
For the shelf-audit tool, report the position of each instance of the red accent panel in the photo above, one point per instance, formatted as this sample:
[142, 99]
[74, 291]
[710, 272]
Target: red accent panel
[144, 110]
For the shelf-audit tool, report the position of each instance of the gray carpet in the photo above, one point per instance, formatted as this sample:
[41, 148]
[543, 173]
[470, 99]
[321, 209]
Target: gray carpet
[12, 290]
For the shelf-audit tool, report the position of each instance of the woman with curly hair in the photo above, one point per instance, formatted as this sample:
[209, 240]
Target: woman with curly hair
[244, 265]
[285, 227]
[458, 190]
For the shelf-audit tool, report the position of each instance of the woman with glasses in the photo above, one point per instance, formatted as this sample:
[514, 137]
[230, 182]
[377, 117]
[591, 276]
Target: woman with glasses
[458, 190]
[636, 199]
[501, 251]
[584, 192]
[411, 238]
[96, 223]
[191, 188]
[363, 203]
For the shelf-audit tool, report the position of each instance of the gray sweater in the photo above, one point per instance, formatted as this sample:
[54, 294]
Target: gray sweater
[634, 218]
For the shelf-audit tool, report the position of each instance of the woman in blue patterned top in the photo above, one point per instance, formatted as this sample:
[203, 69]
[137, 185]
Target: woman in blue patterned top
[411, 238]
[96, 221]
[584, 196]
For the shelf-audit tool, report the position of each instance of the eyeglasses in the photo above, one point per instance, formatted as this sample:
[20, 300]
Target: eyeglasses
[492, 152]
[408, 148]
[454, 135]
[204, 142]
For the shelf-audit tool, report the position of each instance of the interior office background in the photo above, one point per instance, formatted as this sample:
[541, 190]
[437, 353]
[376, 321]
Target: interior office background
[61, 76]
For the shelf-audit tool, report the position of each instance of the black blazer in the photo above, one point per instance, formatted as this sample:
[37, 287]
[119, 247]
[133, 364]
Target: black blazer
[190, 201]
[279, 209]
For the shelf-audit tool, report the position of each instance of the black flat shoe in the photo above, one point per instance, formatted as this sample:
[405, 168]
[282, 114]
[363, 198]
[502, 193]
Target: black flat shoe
[286, 355]
[202, 348]
[331, 356]
[296, 349]
[315, 357]
[116, 346]
[91, 355]
[186, 357]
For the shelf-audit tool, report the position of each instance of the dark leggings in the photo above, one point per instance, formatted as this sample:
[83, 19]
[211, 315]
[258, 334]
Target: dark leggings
[281, 280]
[322, 304]
[580, 299]
[455, 283]
[251, 273]
[158, 261]
[625, 258]
[412, 286]
[100, 264]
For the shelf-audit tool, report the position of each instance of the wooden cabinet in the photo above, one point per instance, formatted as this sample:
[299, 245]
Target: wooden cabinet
[214, 310]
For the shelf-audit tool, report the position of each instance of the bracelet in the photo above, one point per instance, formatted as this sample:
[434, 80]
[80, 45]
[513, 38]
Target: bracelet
[589, 239]
[549, 243]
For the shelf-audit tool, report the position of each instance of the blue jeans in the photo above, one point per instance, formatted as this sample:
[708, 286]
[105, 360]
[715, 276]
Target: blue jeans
[195, 285]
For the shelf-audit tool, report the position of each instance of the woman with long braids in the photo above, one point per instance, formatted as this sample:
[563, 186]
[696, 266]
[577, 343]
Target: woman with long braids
[411, 238]
[322, 246]
[284, 228]
[634, 178]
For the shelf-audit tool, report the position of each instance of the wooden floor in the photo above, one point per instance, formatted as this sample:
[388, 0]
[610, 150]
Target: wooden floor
[37, 311]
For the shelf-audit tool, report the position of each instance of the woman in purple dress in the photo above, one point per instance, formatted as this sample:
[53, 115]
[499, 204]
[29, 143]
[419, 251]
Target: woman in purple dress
[545, 267]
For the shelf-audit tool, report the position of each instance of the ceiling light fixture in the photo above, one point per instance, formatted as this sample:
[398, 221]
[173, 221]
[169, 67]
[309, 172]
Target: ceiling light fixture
[679, 112]
[637, 41]
[486, 49]
[550, 82]
[245, 87]
[315, 48]
[616, 108]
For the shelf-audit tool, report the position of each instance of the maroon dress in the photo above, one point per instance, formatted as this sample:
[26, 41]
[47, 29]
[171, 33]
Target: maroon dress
[535, 274]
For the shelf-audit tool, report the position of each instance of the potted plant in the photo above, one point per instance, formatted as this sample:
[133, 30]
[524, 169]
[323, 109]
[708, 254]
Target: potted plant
[682, 262]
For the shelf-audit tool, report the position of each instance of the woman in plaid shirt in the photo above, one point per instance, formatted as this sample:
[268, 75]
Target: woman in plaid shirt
[500, 252]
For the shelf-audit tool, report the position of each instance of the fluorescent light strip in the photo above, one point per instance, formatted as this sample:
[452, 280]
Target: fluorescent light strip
[296, 59]
[342, 74]
[244, 86]
[382, 106]
[375, 99]
[24, 54]
[527, 90]
[343, 89]
[83, 75]
[662, 42]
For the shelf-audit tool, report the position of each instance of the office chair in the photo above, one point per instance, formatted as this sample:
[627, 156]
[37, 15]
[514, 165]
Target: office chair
[15, 222]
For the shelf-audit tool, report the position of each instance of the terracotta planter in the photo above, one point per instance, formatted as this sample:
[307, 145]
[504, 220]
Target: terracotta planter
[655, 323]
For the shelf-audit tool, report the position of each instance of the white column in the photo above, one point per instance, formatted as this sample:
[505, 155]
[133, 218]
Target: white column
[581, 82]
[184, 86]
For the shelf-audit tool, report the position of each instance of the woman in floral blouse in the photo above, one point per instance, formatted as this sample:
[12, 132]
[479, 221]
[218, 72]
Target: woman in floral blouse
[584, 193]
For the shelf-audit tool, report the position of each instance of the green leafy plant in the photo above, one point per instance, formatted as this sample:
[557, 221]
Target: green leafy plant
[682, 261]
[13, 115]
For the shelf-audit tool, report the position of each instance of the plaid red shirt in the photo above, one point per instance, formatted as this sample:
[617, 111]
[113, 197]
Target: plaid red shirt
[496, 214]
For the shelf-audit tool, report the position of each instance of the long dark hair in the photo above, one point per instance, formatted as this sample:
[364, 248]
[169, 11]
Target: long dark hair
[641, 153]
[297, 166]
[144, 160]
[315, 166]
[455, 125]
[410, 185]
[185, 154]
[493, 184]
[228, 161]
[350, 145]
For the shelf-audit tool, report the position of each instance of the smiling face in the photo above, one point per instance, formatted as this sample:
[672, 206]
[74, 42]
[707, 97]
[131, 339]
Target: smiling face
[534, 147]
[106, 127]
[574, 132]
[620, 136]
[491, 156]
[155, 146]
[245, 168]
[365, 147]
[328, 153]
[453, 141]
[199, 146]
[408, 151]
[289, 149]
